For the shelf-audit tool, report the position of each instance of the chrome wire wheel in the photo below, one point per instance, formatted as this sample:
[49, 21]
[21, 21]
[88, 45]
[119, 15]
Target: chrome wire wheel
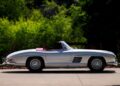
[35, 64]
[97, 64]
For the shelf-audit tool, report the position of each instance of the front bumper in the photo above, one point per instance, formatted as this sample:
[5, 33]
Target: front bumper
[112, 63]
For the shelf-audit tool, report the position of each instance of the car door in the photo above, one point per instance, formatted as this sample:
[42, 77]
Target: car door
[58, 58]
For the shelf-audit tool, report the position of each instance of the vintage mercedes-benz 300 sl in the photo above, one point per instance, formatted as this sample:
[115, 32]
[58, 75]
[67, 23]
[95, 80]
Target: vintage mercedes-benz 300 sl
[62, 56]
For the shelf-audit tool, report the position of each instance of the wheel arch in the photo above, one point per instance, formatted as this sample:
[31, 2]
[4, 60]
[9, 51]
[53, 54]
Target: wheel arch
[100, 57]
[39, 57]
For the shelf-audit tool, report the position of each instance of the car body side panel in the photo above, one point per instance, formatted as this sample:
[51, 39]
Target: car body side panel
[65, 59]
[58, 58]
[20, 59]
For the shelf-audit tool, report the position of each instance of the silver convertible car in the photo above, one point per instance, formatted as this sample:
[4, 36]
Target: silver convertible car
[62, 56]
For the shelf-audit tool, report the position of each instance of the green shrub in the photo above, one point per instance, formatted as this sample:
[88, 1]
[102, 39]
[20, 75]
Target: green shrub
[12, 9]
[38, 31]
[5, 35]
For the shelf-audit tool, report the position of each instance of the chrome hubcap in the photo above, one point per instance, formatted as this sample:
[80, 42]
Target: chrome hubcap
[35, 64]
[96, 63]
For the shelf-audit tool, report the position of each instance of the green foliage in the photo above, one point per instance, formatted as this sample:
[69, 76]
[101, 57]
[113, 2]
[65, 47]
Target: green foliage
[19, 31]
[79, 18]
[12, 8]
[50, 9]
[5, 35]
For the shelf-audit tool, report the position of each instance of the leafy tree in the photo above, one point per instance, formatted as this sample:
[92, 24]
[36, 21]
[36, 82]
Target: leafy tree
[23, 25]
[5, 35]
[79, 18]
[12, 8]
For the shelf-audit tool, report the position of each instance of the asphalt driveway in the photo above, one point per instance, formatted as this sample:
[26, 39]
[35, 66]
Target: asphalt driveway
[60, 77]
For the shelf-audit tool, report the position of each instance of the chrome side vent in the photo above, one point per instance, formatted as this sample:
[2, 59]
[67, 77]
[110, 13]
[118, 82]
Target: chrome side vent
[77, 59]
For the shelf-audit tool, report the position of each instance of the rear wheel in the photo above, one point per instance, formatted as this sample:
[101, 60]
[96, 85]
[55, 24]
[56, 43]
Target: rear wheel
[34, 64]
[96, 64]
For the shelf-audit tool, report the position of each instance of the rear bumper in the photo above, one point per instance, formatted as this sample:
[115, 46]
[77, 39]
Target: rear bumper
[12, 64]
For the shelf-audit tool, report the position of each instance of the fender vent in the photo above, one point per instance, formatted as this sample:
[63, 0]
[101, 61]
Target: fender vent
[77, 59]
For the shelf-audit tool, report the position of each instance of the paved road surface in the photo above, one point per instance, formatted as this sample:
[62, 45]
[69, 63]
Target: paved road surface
[60, 77]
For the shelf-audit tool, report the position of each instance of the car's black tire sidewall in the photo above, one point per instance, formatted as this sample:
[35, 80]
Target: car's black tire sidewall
[31, 69]
[96, 70]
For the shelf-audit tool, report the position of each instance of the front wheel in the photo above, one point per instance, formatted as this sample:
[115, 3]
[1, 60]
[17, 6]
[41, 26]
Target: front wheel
[34, 64]
[96, 64]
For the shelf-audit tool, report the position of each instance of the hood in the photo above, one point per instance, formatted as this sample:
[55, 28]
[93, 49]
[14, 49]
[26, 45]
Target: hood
[95, 51]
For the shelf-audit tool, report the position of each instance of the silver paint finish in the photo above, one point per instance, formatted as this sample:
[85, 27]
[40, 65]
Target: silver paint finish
[61, 57]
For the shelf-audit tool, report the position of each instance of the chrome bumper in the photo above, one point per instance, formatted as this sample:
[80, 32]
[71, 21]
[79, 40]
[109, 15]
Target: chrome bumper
[13, 64]
[7, 63]
[112, 63]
